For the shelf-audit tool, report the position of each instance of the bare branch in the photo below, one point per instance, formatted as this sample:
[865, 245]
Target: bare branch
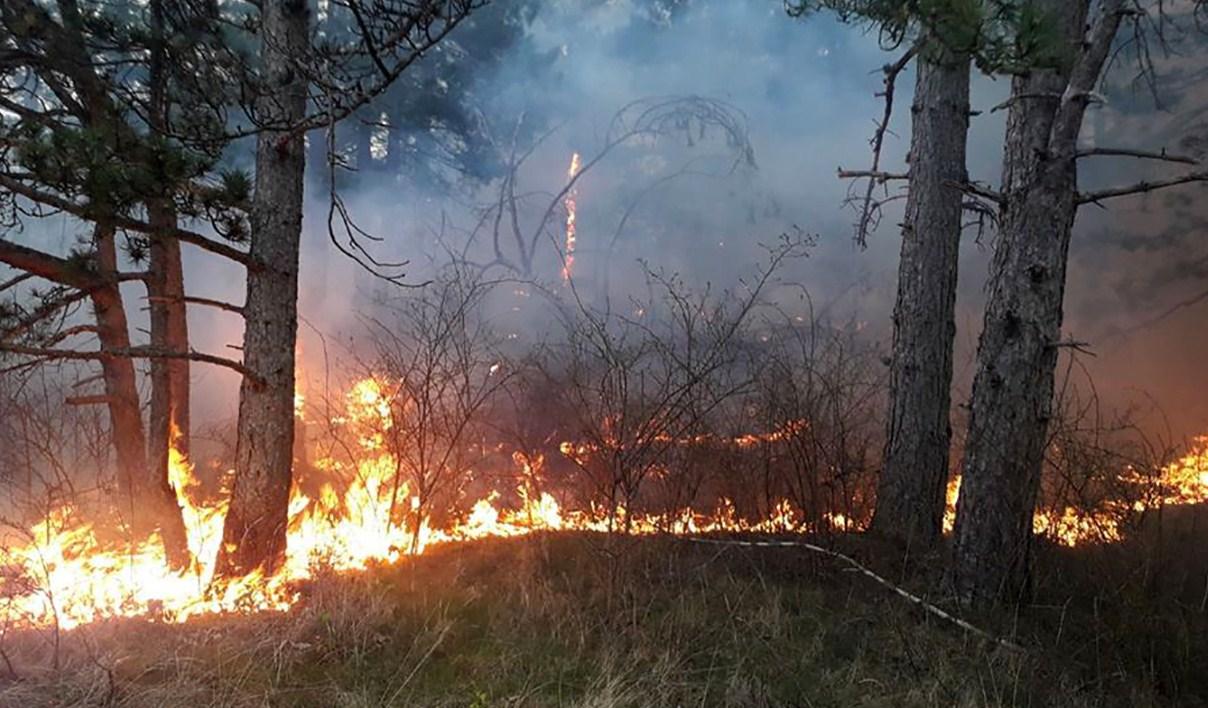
[1162, 155]
[133, 352]
[189, 299]
[878, 177]
[1140, 188]
[870, 208]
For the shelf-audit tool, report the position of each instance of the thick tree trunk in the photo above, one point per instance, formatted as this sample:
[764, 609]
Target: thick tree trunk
[1017, 353]
[254, 533]
[117, 373]
[910, 495]
[169, 417]
[151, 500]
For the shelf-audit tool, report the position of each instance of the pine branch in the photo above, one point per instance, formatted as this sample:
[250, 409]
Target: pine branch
[85, 212]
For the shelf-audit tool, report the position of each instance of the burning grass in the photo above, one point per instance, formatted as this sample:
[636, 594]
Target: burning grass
[556, 620]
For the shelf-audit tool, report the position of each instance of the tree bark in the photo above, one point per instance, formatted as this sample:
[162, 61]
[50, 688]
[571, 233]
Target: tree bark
[150, 502]
[255, 528]
[117, 373]
[1017, 353]
[168, 422]
[910, 493]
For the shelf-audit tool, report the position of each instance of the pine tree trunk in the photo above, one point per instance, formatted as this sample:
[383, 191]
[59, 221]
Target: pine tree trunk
[150, 499]
[255, 528]
[169, 417]
[170, 332]
[168, 422]
[1017, 353]
[117, 374]
[910, 494]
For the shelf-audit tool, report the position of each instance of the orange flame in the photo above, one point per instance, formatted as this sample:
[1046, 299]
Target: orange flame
[571, 210]
[63, 572]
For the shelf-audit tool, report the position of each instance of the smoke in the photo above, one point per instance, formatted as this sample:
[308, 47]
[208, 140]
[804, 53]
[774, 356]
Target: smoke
[806, 92]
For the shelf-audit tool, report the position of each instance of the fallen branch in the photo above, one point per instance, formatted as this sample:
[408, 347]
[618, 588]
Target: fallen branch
[861, 568]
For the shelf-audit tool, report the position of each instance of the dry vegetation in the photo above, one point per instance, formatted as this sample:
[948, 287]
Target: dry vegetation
[543, 621]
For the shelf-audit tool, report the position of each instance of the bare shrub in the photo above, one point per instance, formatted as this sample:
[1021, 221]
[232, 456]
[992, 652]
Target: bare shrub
[640, 385]
[438, 366]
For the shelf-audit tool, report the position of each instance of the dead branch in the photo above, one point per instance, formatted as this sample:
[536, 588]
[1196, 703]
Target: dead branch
[87, 400]
[1139, 154]
[207, 302]
[870, 208]
[134, 352]
[84, 211]
[879, 177]
[1140, 188]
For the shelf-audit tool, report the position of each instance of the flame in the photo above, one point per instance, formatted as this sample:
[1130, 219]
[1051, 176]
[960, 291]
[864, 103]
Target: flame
[66, 570]
[571, 210]
[1181, 483]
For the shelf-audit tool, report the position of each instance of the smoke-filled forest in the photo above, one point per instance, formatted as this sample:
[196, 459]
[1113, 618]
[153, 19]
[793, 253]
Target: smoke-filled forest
[603, 353]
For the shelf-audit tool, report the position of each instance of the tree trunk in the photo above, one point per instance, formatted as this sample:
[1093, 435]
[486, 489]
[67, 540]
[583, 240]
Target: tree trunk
[170, 332]
[169, 417]
[910, 494]
[152, 501]
[1017, 353]
[255, 528]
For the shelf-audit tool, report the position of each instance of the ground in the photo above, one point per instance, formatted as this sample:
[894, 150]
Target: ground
[573, 619]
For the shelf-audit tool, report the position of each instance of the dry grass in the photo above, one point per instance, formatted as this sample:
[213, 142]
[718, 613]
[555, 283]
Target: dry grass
[553, 621]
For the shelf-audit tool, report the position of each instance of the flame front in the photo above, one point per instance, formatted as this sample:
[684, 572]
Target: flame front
[64, 571]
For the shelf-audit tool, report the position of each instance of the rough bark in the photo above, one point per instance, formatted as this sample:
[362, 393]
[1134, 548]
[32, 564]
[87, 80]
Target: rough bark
[910, 493]
[168, 422]
[121, 391]
[1017, 353]
[254, 532]
[169, 332]
[165, 287]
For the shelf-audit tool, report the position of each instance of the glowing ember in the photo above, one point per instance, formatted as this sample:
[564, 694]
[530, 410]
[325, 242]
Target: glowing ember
[571, 195]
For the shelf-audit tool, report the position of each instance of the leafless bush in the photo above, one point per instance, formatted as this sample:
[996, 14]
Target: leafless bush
[1100, 463]
[816, 397]
[641, 385]
[438, 366]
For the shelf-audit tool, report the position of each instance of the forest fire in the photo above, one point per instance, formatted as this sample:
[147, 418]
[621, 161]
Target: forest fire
[63, 572]
[571, 215]
[1181, 483]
